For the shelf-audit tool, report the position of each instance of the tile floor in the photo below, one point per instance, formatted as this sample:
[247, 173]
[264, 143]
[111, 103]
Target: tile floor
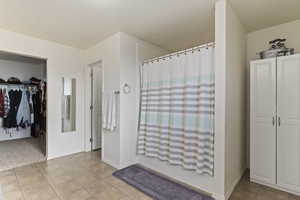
[246, 190]
[84, 177]
[16, 153]
[78, 177]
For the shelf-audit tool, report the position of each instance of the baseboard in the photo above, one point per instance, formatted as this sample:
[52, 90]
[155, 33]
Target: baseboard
[15, 138]
[234, 184]
[127, 164]
[218, 197]
[274, 186]
[111, 163]
[50, 157]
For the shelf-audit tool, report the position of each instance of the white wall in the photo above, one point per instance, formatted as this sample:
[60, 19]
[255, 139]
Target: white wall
[133, 53]
[61, 61]
[108, 52]
[236, 136]
[220, 97]
[119, 56]
[258, 41]
[23, 71]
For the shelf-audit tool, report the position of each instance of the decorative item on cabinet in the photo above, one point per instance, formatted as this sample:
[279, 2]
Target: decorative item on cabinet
[277, 48]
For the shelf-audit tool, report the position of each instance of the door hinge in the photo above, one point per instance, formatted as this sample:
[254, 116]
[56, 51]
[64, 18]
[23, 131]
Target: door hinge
[91, 140]
[91, 107]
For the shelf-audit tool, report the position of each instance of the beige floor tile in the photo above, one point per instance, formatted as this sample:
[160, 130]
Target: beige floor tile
[104, 174]
[15, 153]
[14, 195]
[293, 197]
[10, 187]
[110, 194]
[58, 180]
[125, 188]
[271, 194]
[40, 193]
[243, 195]
[127, 198]
[32, 182]
[8, 178]
[77, 195]
[84, 177]
[97, 188]
[246, 190]
[67, 188]
[6, 173]
[87, 179]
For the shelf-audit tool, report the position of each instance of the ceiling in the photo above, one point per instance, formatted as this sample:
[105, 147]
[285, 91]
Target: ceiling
[259, 14]
[171, 24]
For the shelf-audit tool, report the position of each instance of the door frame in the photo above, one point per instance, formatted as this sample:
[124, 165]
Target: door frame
[45, 151]
[88, 99]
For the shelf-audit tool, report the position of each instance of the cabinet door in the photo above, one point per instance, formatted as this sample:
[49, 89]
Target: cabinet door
[263, 123]
[288, 131]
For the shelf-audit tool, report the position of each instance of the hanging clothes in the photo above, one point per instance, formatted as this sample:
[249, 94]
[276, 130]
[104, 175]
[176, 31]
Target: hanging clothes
[23, 108]
[14, 80]
[44, 106]
[2, 103]
[15, 99]
[6, 103]
[35, 128]
[29, 97]
[23, 114]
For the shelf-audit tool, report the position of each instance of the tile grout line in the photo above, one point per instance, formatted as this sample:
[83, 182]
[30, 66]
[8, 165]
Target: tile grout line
[23, 193]
[50, 184]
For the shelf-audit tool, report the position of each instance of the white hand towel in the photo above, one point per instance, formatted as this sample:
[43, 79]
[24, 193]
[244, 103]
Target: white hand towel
[109, 112]
[105, 106]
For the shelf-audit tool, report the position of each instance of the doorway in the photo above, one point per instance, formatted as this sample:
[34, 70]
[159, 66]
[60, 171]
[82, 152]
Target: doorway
[96, 88]
[23, 116]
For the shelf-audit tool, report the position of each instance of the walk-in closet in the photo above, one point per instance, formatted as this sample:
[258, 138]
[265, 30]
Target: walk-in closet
[23, 97]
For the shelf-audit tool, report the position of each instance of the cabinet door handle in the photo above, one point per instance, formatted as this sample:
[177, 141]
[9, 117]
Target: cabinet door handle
[273, 121]
[279, 121]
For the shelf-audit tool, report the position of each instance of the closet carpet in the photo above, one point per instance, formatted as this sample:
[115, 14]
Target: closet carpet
[16, 153]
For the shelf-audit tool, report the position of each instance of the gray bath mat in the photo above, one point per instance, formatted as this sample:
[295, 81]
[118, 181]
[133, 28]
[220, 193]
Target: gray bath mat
[156, 186]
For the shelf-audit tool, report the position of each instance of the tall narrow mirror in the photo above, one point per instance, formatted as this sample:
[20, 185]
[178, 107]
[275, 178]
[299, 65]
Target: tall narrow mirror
[69, 105]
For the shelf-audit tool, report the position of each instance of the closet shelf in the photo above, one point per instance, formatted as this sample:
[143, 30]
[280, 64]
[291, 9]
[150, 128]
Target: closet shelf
[18, 84]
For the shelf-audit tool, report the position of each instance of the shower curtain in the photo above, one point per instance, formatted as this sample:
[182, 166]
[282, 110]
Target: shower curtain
[177, 110]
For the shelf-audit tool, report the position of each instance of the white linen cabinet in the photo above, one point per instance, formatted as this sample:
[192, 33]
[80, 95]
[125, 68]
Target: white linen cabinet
[275, 122]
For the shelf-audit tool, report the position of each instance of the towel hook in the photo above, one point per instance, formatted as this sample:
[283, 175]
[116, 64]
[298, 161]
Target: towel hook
[126, 88]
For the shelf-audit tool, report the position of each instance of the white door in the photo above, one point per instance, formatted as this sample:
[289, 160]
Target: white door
[263, 122]
[288, 132]
[97, 107]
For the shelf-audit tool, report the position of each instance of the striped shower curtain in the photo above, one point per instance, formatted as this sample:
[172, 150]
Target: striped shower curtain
[177, 110]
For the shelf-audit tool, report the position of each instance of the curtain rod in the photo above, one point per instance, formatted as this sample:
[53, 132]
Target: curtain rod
[180, 52]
